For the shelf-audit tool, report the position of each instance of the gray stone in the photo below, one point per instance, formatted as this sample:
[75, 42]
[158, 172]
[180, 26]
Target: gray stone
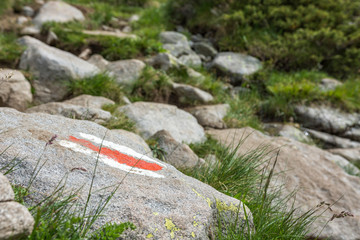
[211, 115]
[31, 30]
[236, 65]
[332, 141]
[152, 117]
[192, 93]
[164, 61]
[328, 84]
[311, 171]
[288, 131]
[191, 60]
[205, 49]
[117, 34]
[194, 74]
[90, 101]
[85, 54]
[352, 133]
[6, 191]
[51, 38]
[154, 196]
[178, 49]
[173, 38]
[15, 221]
[28, 11]
[57, 11]
[22, 20]
[15, 90]
[351, 154]
[134, 138]
[51, 66]
[134, 18]
[325, 119]
[98, 61]
[126, 71]
[177, 154]
[72, 111]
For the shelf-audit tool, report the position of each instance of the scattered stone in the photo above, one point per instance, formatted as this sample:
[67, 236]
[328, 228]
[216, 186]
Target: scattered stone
[28, 11]
[352, 133]
[325, 119]
[288, 131]
[328, 84]
[178, 49]
[205, 49]
[51, 38]
[126, 71]
[177, 154]
[134, 18]
[154, 196]
[51, 66]
[211, 115]
[332, 141]
[236, 65]
[171, 37]
[192, 93]
[351, 154]
[153, 117]
[126, 100]
[57, 11]
[164, 61]
[117, 23]
[127, 29]
[31, 30]
[22, 20]
[15, 220]
[194, 74]
[111, 34]
[15, 90]
[191, 60]
[310, 170]
[85, 54]
[98, 61]
[72, 111]
[90, 101]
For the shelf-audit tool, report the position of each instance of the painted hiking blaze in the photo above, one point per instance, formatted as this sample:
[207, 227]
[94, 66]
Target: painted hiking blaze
[115, 155]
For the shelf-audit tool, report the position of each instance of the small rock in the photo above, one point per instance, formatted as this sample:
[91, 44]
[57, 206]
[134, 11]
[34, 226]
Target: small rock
[51, 38]
[6, 191]
[126, 100]
[31, 30]
[328, 84]
[173, 38]
[98, 61]
[288, 131]
[164, 61]
[72, 111]
[351, 154]
[127, 29]
[333, 141]
[192, 93]
[177, 154]
[90, 101]
[57, 11]
[153, 117]
[192, 60]
[126, 71]
[205, 49]
[111, 34]
[236, 65]
[211, 115]
[134, 18]
[194, 74]
[352, 133]
[86, 54]
[15, 90]
[22, 20]
[28, 11]
[178, 49]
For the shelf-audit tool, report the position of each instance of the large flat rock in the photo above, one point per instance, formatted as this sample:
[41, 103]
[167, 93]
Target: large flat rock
[161, 201]
[313, 173]
[51, 67]
[152, 117]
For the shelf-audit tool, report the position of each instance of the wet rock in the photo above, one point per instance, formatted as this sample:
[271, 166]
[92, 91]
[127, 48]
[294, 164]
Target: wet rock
[210, 115]
[153, 117]
[126, 71]
[15, 90]
[315, 175]
[235, 65]
[192, 93]
[57, 11]
[332, 141]
[177, 154]
[50, 67]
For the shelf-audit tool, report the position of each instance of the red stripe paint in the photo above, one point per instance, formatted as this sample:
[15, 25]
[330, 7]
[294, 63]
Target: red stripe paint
[118, 156]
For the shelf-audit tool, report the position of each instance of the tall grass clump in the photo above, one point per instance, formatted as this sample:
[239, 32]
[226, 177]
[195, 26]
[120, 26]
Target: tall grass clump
[248, 177]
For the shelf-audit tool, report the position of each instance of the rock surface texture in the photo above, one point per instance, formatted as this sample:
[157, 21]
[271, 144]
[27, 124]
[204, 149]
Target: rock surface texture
[50, 67]
[158, 199]
[152, 117]
[192, 93]
[313, 172]
[15, 219]
[90, 101]
[57, 11]
[210, 115]
[126, 71]
[15, 90]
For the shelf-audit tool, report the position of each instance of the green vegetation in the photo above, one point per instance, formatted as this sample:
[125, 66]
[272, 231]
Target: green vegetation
[10, 51]
[290, 35]
[247, 177]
